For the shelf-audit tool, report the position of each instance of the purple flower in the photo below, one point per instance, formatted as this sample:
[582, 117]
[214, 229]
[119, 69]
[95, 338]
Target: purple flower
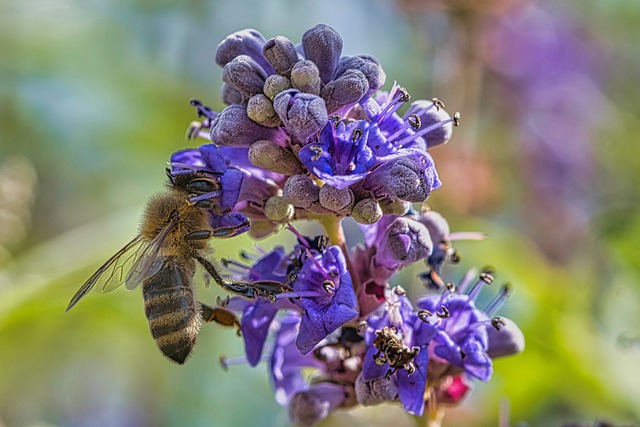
[328, 299]
[397, 348]
[341, 156]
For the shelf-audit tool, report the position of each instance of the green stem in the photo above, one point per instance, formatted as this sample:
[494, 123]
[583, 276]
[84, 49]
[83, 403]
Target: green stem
[332, 226]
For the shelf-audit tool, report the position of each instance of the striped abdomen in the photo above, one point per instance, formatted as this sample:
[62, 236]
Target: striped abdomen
[170, 307]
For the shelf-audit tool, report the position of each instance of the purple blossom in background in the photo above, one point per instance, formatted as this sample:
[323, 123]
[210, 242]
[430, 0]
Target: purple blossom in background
[308, 134]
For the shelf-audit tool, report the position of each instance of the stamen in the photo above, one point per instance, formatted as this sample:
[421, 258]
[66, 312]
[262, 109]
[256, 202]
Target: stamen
[356, 135]
[226, 362]
[426, 130]
[467, 235]
[424, 315]
[317, 264]
[486, 278]
[414, 121]
[437, 103]
[399, 291]
[205, 196]
[444, 314]
[467, 280]
[299, 294]
[328, 286]
[397, 97]
[499, 300]
[498, 322]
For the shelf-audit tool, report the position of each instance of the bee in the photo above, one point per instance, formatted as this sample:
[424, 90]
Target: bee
[173, 238]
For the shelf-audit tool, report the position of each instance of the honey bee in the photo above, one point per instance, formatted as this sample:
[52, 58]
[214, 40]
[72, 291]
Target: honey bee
[173, 236]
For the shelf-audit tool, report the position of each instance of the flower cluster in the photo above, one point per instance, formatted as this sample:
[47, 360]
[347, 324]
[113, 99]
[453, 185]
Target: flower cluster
[307, 134]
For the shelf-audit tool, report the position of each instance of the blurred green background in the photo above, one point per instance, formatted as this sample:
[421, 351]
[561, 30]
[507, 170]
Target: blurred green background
[94, 98]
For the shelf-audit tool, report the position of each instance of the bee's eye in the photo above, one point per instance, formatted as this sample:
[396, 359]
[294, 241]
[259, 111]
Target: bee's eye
[202, 185]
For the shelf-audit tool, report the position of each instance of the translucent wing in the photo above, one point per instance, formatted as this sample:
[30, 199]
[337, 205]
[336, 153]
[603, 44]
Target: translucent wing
[112, 273]
[147, 262]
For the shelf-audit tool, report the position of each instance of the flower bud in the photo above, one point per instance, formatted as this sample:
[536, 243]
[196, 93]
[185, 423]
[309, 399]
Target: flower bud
[367, 65]
[303, 114]
[314, 404]
[376, 391]
[244, 74]
[261, 228]
[246, 42]
[322, 45]
[301, 191]
[233, 128]
[405, 241]
[338, 200]
[367, 211]
[394, 206]
[410, 178]
[347, 89]
[305, 77]
[230, 95]
[281, 53]
[260, 110]
[505, 341]
[275, 84]
[278, 210]
[436, 224]
[269, 155]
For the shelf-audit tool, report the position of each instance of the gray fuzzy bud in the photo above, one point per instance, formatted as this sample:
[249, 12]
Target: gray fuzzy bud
[307, 407]
[436, 224]
[367, 211]
[506, 341]
[269, 155]
[338, 200]
[234, 128]
[303, 114]
[281, 53]
[260, 110]
[277, 210]
[230, 95]
[244, 74]
[367, 65]
[347, 89]
[376, 391]
[405, 241]
[410, 178]
[305, 77]
[301, 191]
[246, 42]
[322, 45]
[275, 84]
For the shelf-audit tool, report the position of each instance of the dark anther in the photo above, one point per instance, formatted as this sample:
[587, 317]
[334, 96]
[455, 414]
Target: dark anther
[487, 275]
[444, 313]
[451, 287]
[318, 152]
[404, 94]
[507, 289]
[424, 315]
[356, 135]
[414, 121]
[454, 257]
[438, 103]
[328, 286]
[399, 290]
[224, 363]
[498, 322]
[203, 110]
[456, 119]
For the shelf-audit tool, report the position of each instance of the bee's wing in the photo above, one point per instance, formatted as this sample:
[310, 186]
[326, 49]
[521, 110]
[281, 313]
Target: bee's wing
[111, 274]
[147, 262]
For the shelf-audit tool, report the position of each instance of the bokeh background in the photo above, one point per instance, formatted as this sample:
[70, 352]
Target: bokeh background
[94, 98]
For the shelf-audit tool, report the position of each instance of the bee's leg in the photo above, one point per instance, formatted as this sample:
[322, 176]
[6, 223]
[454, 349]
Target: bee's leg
[221, 316]
[199, 235]
[237, 287]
